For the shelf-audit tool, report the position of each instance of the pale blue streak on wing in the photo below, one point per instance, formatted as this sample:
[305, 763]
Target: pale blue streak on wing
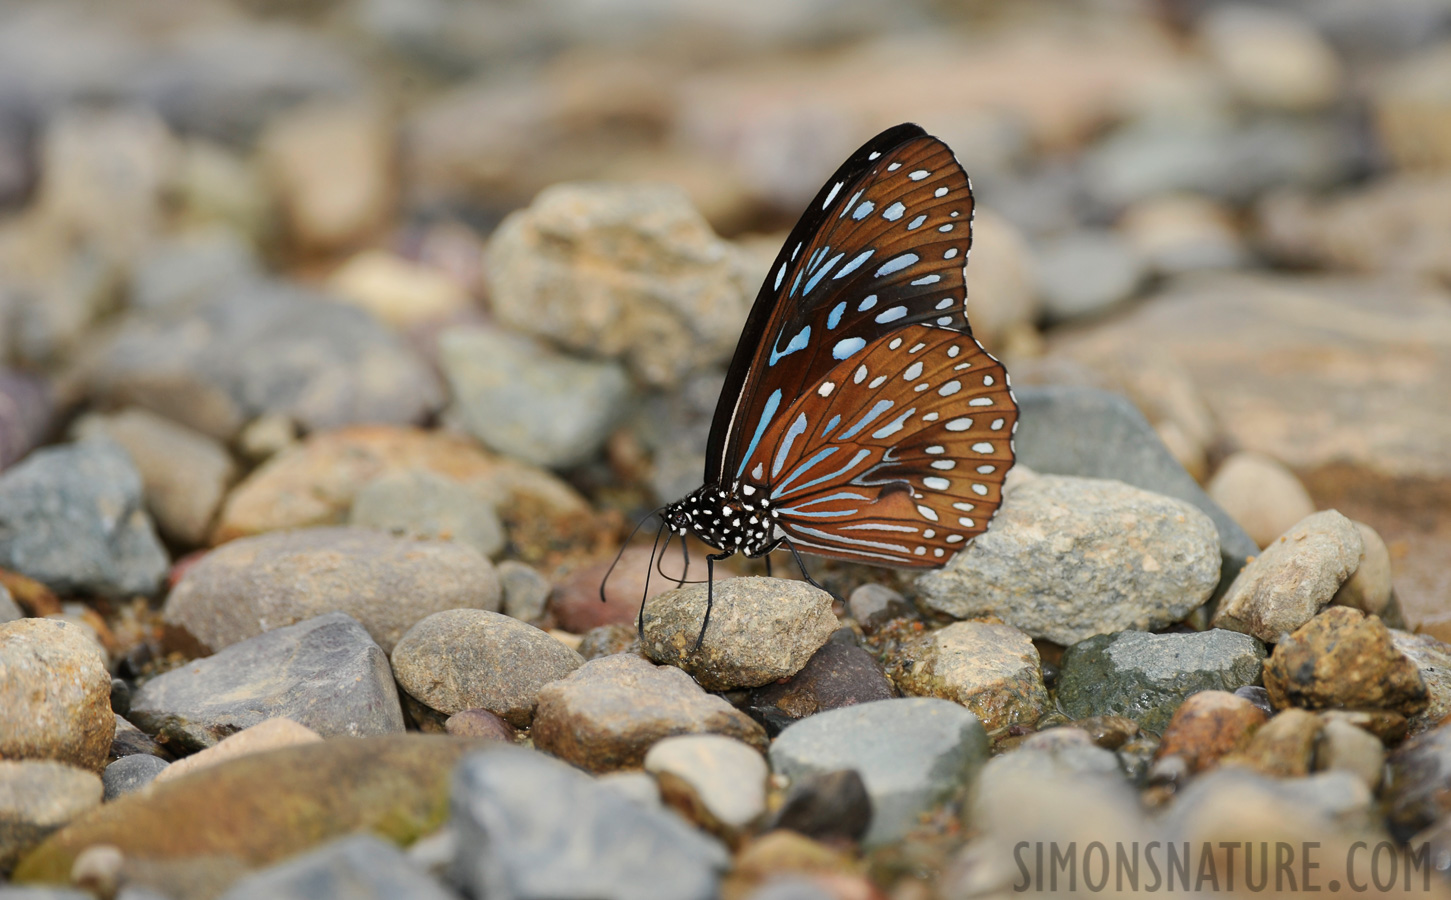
[831, 426]
[834, 319]
[897, 264]
[881, 407]
[772, 402]
[893, 426]
[846, 347]
[799, 342]
[853, 541]
[855, 461]
[855, 263]
[783, 452]
[804, 468]
[796, 510]
[821, 273]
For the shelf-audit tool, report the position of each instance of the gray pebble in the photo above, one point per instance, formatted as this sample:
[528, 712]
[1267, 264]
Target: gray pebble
[421, 504]
[357, 867]
[525, 591]
[131, 773]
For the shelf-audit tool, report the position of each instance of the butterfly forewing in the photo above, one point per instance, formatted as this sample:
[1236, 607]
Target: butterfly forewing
[881, 247]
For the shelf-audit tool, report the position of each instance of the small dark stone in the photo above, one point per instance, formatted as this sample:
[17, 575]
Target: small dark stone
[838, 674]
[874, 605]
[120, 697]
[480, 723]
[607, 640]
[1135, 757]
[131, 773]
[1256, 695]
[1109, 732]
[130, 740]
[826, 806]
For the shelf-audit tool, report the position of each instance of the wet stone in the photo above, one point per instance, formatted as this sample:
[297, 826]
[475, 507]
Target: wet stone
[420, 504]
[912, 753]
[325, 673]
[1146, 676]
[607, 640]
[1209, 725]
[480, 724]
[1284, 746]
[387, 583]
[38, 797]
[1108, 732]
[837, 675]
[1293, 579]
[993, 670]
[1093, 433]
[55, 694]
[609, 712]
[715, 781]
[513, 809]
[825, 807]
[1418, 786]
[471, 658]
[356, 866]
[1067, 558]
[760, 630]
[1344, 659]
[873, 605]
[72, 517]
[131, 773]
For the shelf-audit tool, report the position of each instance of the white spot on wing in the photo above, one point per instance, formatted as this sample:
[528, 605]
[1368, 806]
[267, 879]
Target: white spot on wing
[829, 197]
[894, 212]
[950, 388]
[919, 174]
[937, 484]
[826, 388]
[958, 425]
[927, 512]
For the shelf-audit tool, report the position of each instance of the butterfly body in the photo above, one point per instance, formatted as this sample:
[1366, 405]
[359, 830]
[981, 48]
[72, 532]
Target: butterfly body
[860, 419]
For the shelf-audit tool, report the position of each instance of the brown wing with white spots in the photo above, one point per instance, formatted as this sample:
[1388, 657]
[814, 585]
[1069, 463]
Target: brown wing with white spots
[899, 456]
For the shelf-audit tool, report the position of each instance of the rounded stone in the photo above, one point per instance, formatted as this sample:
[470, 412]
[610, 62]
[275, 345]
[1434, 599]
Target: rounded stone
[718, 781]
[1368, 589]
[1067, 558]
[420, 504]
[252, 585]
[1293, 579]
[993, 670]
[760, 630]
[1259, 493]
[609, 712]
[55, 694]
[131, 773]
[38, 797]
[1271, 57]
[1208, 725]
[874, 605]
[1343, 659]
[525, 590]
[480, 724]
[269, 734]
[1285, 745]
[1345, 747]
[462, 659]
[839, 674]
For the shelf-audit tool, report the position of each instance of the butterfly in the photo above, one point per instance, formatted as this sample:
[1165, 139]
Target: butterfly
[859, 418]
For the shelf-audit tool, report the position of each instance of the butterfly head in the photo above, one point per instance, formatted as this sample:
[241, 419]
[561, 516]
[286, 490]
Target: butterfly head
[736, 518]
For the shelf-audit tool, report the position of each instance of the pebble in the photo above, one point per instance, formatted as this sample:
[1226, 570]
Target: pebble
[1209, 725]
[1418, 782]
[1411, 109]
[1344, 659]
[1236, 799]
[607, 640]
[1001, 281]
[38, 797]
[9, 610]
[316, 482]
[1180, 233]
[387, 583]
[793, 859]
[1086, 272]
[268, 734]
[575, 601]
[912, 753]
[609, 712]
[629, 272]
[187, 270]
[1433, 660]
[480, 724]
[72, 517]
[1293, 579]
[514, 809]
[993, 670]
[55, 694]
[130, 740]
[1284, 747]
[421, 505]
[874, 605]
[1271, 58]
[294, 797]
[349, 868]
[1344, 747]
[462, 659]
[263, 347]
[1092, 433]
[525, 591]
[1067, 558]
[184, 473]
[1146, 676]
[760, 630]
[1261, 494]
[399, 292]
[831, 806]
[530, 402]
[325, 673]
[715, 781]
[26, 413]
[1368, 588]
[331, 166]
[837, 675]
[131, 773]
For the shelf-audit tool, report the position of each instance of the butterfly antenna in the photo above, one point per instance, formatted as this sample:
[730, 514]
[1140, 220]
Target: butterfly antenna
[619, 555]
[805, 574]
[660, 561]
[654, 546]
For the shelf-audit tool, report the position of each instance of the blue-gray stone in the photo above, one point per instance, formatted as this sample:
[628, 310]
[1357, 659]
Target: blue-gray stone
[912, 753]
[1146, 676]
[131, 773]
[357, 867]
[72, 517]
[1100, 434]
[532, 828]
[325, 673]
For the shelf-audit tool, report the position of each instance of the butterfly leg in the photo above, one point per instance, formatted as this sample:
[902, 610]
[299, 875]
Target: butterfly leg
[710, 560]
[768, 564]
[805, 574]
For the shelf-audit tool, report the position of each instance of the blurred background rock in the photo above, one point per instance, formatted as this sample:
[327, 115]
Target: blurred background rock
[228, 227]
